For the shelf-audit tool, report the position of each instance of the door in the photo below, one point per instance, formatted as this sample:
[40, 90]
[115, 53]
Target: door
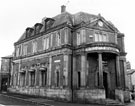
[105, 82]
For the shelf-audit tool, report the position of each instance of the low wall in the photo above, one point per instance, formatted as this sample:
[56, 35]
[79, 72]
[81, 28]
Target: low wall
[90, 95]
[61, 94]
[121, 95]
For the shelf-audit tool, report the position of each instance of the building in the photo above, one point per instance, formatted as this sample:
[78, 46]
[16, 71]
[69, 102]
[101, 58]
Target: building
[5, 72]
[130, 77]
[73, 57]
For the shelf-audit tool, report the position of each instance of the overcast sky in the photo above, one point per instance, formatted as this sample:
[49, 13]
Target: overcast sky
[17, 15]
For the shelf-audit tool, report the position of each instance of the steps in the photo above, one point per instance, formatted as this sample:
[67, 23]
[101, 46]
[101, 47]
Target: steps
[110, 102]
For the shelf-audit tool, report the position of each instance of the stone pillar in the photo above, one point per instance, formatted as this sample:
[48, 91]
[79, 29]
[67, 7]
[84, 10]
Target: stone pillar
[29, 74]
[36, 77]
[100, 66]
[65, 73]
[40, 79]
[49, 71]
[26, 78]
[118, 71]
[18, 83]
[83, 70]
[125, 72]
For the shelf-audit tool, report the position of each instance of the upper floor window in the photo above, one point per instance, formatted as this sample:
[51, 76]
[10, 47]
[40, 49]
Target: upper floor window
[18, 50]
[101, 37]
[25, 49]
[34, 46]
[58, 39]
[46, 43]
[81, 37]
[66, 35]
[78, 38]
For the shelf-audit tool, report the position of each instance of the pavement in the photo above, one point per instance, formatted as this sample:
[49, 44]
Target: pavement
[47, 102]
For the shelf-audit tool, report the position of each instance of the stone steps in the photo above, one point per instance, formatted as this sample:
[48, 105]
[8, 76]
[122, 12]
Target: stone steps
[110, 102]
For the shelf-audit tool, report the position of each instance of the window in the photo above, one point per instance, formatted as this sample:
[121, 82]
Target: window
[17, 52]
[79, 79]
[43, 77]
[58, 39]
[22, 81]
[78, 38]
[66, 35]
[32, 80]
[57, 78]
[46, 43]
[101, 37]
[81, 37]
[25, 49]
[51, 40]
[34, 46]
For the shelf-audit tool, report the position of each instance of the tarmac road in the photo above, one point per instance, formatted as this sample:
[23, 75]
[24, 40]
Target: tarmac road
[6, 101]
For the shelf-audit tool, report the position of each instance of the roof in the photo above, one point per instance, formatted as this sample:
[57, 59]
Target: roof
[65, 17]
[131, 71]
[7, 57]
[83, 17]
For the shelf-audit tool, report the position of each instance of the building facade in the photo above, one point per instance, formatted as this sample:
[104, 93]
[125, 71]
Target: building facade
[130, 77]
[5, 72]
[70, 57]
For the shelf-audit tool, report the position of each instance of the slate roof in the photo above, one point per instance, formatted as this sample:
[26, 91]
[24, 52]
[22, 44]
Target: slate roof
[72, 19]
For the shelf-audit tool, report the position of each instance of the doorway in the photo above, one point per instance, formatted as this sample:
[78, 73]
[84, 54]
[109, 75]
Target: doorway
[105, 83]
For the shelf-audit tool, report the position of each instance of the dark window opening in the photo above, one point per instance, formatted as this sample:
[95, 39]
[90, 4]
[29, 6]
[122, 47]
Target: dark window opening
[44, 78]
[57, 74]
[79, 79]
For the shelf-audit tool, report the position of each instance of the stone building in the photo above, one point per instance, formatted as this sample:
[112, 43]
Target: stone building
[70, 57]
[5, 72]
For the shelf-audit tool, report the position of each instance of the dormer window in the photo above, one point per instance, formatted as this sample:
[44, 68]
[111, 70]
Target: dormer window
[38, 26]
[48, 23]
[29, 32]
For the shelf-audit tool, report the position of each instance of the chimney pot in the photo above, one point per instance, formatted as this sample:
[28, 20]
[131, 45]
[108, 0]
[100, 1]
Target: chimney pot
[63, 8]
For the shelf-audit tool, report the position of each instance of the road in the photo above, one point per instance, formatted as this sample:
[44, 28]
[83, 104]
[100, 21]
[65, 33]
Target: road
[6, 101]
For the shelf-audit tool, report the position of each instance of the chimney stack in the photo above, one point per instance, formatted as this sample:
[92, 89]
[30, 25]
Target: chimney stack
[63, 8]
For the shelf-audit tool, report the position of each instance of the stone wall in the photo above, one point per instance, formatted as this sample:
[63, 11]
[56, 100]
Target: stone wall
[89, 95]
[60, 94]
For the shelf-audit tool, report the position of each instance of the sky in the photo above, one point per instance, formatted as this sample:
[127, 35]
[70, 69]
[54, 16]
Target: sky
[17, 15]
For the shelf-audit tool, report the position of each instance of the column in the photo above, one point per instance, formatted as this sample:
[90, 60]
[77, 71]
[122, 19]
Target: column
[125, 73]
[29, 74]
[36, 77]
[26, 78]
[100, 70]
[118, 72]
[65, 73]
[18, 83]
[49, 71]
[83, 70]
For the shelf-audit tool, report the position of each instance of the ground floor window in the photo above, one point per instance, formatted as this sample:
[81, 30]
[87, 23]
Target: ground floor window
[44, 77]
[22, 79]
[79, 79]
[32, 78]
[57, 79]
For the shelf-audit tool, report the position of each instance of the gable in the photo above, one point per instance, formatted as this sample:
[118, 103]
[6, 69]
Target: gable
[101, 24]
